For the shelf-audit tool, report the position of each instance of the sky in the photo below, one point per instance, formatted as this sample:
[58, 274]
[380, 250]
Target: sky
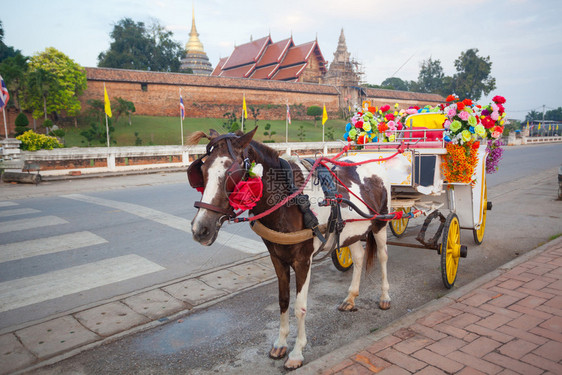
[523, 38]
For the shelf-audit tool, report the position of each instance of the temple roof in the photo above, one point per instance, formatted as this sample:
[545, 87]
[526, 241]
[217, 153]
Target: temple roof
[265, 59]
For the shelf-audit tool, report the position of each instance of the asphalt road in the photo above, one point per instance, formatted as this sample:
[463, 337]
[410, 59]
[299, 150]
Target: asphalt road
[235, 335]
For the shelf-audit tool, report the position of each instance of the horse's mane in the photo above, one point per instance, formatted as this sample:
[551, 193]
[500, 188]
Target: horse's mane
[269, 154]
[195, 137]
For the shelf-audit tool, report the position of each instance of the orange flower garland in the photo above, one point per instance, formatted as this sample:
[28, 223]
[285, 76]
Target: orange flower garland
[460, 162]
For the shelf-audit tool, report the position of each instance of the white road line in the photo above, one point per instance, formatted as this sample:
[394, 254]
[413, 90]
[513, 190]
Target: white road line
[18, 211]
[7, 204]
[25, 224]
[48, 245]
[224, 238]
[30, 290]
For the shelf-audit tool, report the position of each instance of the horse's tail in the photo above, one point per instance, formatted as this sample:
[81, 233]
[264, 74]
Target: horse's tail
[370, 250]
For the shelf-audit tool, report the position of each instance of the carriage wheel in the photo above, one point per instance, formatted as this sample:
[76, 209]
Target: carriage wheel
[479, 233]
[341, 257]
[398, 227]
[450, 250]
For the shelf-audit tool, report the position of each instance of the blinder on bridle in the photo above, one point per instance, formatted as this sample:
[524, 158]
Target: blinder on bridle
[234, 174]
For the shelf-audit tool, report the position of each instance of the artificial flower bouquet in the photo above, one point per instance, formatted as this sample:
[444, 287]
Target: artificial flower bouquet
[465, 125]
[375, 125]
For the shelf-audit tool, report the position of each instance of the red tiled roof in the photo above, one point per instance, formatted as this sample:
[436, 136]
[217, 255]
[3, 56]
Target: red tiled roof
[291, 72]
[274, 52]
[298, 54]
[265, 73]
[164, 78]
[247, 53]
[239, 72]
[218, 68]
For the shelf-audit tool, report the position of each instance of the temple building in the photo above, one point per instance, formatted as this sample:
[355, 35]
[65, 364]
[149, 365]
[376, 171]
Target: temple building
[343, 71]
[195, 58]
[279, 61]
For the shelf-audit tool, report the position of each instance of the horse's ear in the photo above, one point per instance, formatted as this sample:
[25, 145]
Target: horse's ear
[244, 140]
[213, 133]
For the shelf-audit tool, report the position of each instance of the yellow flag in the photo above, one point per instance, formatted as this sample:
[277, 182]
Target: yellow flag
[324, 115]
[539, 126]
[107, 103]
[244, 106]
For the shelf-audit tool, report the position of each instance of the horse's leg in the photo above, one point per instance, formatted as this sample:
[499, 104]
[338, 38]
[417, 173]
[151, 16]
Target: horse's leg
[302, 275]
[357, 254]
[282, 270]
[382, 254]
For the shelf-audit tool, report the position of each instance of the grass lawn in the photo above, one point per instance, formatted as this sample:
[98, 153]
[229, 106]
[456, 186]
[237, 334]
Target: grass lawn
[166, 130]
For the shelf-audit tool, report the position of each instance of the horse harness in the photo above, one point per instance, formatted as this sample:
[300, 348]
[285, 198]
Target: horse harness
[234, 174]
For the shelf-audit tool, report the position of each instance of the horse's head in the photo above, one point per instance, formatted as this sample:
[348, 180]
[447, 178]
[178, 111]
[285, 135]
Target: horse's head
[216, 174]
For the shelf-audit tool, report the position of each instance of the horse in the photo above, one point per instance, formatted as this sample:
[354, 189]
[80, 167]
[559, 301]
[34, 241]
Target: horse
[226, 162]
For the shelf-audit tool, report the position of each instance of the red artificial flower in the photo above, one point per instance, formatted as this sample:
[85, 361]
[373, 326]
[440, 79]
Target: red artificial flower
[399, 125]
[498, 129]
[488, 122]
[349, 139]
[478, 106]
[389, 117]
[460, 106]
[372, 109]
[359, 124]
[498, 99]
[501, 108]
[417, 108]
[475, 145]
[442, 106]
[467, 102]
[383, 127]
[451, 98]
[361, 140]
[246, 194]
[385, 108]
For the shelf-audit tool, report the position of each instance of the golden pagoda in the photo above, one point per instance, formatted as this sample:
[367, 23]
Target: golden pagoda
[195, 57]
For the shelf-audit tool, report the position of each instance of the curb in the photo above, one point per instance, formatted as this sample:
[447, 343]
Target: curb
[329, 360]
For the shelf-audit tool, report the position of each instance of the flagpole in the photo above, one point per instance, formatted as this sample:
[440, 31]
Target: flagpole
[287, 124]
[323, 123]
[5, 123]
[107, 129]
[243, 111]
[181, 122]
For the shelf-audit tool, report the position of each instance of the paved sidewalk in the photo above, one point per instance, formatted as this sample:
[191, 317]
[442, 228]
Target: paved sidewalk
[506, 322]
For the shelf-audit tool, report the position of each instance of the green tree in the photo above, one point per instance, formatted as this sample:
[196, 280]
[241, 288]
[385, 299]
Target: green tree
[269, 133]
[430, 78]
[254, 112]
[54, 84]
[315, 112]
[554, 114]
[13, 69]
[134, 46]
[533, 115]
[473, 75]
[395, 83]
[6, 51]
[122, 107]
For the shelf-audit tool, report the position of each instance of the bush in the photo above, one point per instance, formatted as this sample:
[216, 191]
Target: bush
[22, 120]
[47, 123]
[32, 141]
[21, 124]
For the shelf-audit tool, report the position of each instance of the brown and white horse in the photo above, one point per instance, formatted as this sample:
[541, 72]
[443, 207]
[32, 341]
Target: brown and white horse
[225, 154]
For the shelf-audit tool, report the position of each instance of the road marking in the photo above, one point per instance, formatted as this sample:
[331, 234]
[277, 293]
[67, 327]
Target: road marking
[7, 204]
[18, 211]
[35, 289]
[25, 224]
[233, 241]
[48, 245]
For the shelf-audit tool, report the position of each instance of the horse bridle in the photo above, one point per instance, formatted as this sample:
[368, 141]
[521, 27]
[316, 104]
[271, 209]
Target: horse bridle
[234, 174]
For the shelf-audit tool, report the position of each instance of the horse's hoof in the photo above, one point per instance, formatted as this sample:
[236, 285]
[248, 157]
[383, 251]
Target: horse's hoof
[384, 305]
[278, 353]
[293, 364]
[346, 306]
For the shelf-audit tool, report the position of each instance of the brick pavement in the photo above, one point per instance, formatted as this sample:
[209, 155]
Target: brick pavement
[509, 322]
